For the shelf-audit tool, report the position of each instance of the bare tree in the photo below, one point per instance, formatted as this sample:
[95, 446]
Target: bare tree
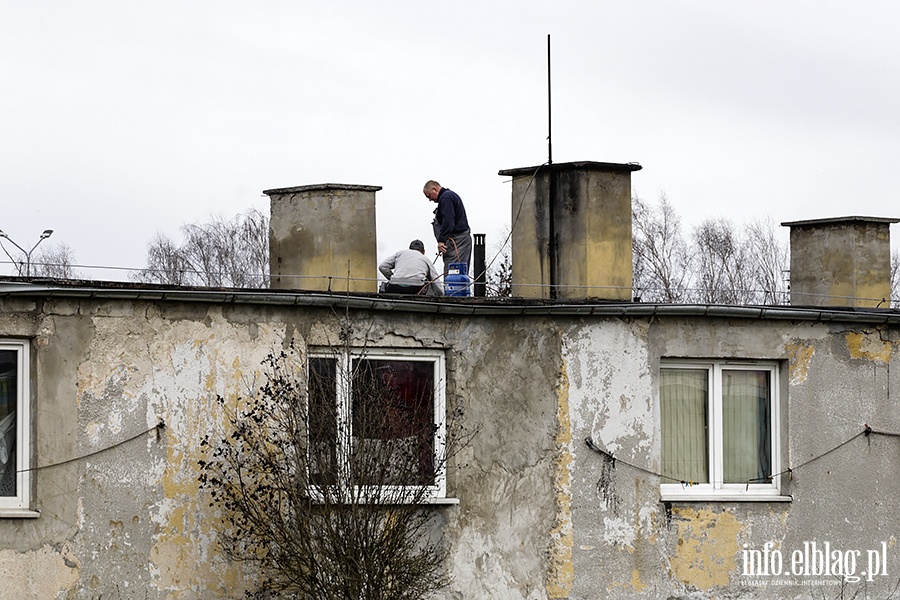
[219, 253]
[499, 267]
[56, 261]
[166, 263]
[769, 260]
[324, 490]
[499, 280]
[895, 279]
[724, 272]
[662, 262]
[49, 261]
[722, 264]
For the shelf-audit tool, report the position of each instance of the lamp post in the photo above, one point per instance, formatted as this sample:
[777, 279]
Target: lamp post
[47, 233]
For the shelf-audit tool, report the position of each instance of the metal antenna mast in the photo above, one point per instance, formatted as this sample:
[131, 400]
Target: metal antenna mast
[553, 241]
[549, 111]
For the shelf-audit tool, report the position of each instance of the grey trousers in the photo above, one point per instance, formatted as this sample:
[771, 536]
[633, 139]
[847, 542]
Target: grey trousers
[459, 250]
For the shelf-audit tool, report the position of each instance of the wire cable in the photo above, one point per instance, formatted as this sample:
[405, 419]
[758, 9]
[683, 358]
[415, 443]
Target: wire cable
[867, 431]
[515, 220]
[158, 428]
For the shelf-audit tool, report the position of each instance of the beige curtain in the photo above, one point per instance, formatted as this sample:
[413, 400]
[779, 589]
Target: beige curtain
[684, 400]
[745, 426]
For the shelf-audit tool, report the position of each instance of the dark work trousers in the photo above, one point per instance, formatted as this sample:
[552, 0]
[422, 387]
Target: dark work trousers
[459, 250]
[393, 288]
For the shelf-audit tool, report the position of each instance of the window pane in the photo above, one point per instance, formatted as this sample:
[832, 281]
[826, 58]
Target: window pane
[322, 420]
[8, 406]
[746, 414]
[392, 422]
[683, 402]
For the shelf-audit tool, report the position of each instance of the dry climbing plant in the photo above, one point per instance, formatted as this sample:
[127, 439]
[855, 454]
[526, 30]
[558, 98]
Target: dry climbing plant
[331, 503]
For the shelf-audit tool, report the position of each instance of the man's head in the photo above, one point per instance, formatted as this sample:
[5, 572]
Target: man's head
[417, 245]
[432, 190]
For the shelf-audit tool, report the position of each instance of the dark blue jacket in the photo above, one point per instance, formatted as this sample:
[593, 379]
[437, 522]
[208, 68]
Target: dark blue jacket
[449, 216]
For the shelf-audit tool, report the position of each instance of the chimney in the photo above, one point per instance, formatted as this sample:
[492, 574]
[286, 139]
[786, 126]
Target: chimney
[571, 230]
[845, 261]
[322, 237]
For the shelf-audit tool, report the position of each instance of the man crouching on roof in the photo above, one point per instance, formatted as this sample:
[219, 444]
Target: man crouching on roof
[409, 272]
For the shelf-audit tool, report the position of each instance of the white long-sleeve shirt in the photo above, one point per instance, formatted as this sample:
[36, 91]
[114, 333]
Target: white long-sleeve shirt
[410, 267]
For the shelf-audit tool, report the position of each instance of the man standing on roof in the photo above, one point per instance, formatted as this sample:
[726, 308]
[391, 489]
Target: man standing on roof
[410, 272]
[451, 227]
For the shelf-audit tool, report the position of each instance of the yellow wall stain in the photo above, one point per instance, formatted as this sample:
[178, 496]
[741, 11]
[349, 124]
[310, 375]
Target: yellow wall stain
[562, 571]
[636, 583]
[868, 347]
[799, 358]
[707, 545]
[179, 559]
[180, 562]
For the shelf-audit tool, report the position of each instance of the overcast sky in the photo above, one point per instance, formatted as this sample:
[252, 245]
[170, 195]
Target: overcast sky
[121, 119]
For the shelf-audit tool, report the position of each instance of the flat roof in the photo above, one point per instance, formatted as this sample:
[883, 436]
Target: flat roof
[837, 220]
[320, 187]
[585, 165]
[442, 305]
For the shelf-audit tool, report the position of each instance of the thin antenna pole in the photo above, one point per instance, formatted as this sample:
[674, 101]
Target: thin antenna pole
[549, 111]
[553, 243]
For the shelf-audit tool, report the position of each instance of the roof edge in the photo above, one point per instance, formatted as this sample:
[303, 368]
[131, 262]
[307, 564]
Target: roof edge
[585, 165]
[321, 187]
[839, 220]
[451, 306]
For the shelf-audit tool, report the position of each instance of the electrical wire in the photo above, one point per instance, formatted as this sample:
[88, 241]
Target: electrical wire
[867, 431]
[158, 428]
[515, 220]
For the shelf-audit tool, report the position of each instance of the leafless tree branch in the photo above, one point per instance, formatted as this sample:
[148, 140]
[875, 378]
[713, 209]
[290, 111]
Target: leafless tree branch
[218, 253]
[56, 261]
[329, 508]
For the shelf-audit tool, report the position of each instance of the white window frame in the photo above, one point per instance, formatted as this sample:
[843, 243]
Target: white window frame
[436, 492]
[716, 489]
[19, 505]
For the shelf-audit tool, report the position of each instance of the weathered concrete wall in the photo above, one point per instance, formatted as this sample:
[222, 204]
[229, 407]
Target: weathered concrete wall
[841, 262]
[322, 237]
[503, 478]
[573, 230]
[541, 515]
[627, 543]
[129, 520]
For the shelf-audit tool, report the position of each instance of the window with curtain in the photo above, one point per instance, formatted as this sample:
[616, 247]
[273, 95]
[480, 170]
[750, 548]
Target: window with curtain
[718, 428]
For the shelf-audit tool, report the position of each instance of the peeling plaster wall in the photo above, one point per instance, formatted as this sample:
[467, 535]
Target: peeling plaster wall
[129, 520]
[616, 515]
[145, 368]
[503, 478]
[628, 544]
[541, 515]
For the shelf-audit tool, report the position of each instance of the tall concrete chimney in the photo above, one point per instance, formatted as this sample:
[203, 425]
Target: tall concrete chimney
[571, 230]
[845, 261]
[322, 237]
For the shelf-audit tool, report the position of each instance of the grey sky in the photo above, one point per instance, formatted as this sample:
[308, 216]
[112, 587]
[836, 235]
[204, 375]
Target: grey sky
[121, 119]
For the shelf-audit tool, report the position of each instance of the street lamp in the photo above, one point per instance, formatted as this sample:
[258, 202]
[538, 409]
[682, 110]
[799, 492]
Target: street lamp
[47, 233]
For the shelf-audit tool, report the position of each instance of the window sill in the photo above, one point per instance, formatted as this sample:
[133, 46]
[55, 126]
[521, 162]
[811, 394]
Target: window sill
[432, 501]
[18, 513]
[724, 498]
[444, 501]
